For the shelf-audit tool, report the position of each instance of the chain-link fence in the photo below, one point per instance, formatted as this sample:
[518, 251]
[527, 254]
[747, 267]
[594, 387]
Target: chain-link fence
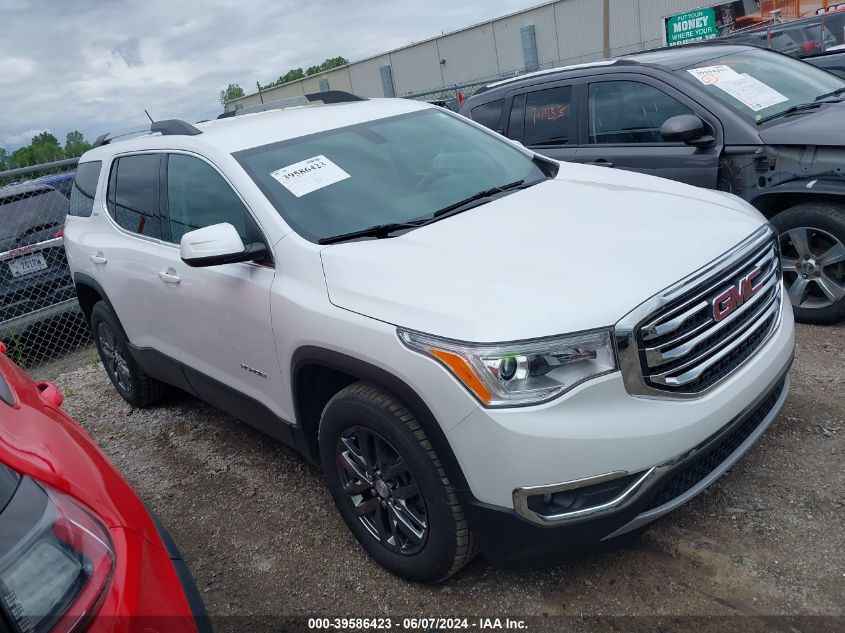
[39, 315]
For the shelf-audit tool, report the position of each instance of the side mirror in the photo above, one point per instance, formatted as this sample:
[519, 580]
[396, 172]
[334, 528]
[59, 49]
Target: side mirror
[218, 244]
[685, 128]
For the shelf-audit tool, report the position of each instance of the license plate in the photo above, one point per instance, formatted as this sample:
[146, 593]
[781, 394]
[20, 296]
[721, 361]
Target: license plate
[27, 265]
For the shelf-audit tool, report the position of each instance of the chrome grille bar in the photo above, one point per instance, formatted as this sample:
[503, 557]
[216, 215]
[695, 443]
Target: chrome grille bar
[687, 339]
[699, 365]
[658, 326]
[678, 347]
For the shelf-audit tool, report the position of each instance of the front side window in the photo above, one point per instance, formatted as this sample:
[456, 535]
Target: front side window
[198, 196]
[133, 194]
[84, 188]
[549, 118]
[389, 170]
[760, 83]
[629, 112]
[488, 114]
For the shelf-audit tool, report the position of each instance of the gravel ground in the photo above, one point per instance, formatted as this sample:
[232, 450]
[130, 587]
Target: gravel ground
[261, 535]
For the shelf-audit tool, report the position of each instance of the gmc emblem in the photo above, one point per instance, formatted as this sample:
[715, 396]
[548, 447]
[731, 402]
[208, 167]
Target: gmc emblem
[733, 297]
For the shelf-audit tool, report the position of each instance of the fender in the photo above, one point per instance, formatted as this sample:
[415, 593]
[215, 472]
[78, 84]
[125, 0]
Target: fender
[812, 186]
[362, 370]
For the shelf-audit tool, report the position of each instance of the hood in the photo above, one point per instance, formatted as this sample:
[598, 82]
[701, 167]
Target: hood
[816, 127]
[569, 254]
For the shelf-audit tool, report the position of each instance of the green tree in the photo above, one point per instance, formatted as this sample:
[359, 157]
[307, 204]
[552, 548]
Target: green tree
[45, 148]
[4, 159]
[331, 62]
[22, 157]
[75, 144]
[334, 62]
[232, 92]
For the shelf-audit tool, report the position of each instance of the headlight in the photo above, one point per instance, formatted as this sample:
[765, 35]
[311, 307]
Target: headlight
[527, 372]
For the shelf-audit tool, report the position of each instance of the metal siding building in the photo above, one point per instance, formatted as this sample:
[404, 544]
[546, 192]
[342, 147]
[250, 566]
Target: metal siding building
[564, 32]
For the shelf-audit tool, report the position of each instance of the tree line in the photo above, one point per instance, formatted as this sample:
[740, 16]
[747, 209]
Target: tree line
[234, 90]
[44, 148]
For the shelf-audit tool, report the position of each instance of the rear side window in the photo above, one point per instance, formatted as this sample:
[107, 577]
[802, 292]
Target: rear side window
[488, 114]
[133, 195]
[198, 196]
[549, 119]
[84, 189]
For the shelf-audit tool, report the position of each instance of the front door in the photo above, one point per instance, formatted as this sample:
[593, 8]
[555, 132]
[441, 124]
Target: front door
[624, 117]
[219, 315]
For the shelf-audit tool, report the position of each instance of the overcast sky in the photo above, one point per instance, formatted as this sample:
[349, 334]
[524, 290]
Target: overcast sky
[95, 65]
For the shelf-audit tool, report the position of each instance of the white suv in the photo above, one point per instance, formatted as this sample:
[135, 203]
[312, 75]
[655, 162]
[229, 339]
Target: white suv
[483, 348]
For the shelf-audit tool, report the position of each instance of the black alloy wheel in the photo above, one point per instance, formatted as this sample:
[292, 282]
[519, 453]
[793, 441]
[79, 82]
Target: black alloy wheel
[113, 360]
[382, 490]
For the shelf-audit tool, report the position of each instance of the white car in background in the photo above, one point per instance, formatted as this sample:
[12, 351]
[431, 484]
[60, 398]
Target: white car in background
[482, 347]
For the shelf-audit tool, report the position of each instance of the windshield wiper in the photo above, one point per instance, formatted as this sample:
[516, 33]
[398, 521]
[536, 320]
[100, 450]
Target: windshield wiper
[791, 110]
[462, 205]
[832, 93]
[384, 230]
[379, 230]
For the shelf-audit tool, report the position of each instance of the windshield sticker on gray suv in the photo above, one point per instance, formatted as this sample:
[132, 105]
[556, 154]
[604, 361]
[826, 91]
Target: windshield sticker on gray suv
[309, 175]
[711, 75]
[748, 90]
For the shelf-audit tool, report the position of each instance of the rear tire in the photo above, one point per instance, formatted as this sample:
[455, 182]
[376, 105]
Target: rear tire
[812, 241]
[390, 487]
[130, 381]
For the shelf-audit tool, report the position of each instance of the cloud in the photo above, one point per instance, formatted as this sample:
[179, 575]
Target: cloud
[130, 52]
[94, 65]
[21, 138]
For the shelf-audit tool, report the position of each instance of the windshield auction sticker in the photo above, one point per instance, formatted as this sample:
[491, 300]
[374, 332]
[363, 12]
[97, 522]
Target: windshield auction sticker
[752, 92]
[309, 175]
[748, 90]
[713, 75]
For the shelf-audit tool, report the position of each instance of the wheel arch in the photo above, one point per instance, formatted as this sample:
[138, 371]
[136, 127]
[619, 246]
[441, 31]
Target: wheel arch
[772, 201]
[318, 373]
[88, 293]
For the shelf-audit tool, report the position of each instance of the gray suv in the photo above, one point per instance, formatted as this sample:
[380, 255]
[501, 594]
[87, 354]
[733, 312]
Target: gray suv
[752, 122]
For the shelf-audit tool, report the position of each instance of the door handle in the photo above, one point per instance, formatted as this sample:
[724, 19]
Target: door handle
[169, 276]
[99, 258]
[601, 162]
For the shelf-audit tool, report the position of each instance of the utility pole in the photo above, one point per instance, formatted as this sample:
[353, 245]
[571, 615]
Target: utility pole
[606, 27]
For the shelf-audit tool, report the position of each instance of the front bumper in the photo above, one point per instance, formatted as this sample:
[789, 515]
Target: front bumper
[506, 536]
[599, 434]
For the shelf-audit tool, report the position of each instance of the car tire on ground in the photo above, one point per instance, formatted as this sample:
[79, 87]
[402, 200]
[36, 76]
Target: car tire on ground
[812, 241]
[133, 385]
[390, 487]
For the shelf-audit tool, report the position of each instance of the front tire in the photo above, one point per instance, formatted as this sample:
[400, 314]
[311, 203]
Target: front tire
[390, 487]
[812, 242]
[130, 381]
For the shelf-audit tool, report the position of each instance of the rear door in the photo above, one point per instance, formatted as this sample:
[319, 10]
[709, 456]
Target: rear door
[621, 128]
[128, 249]
[544, 118]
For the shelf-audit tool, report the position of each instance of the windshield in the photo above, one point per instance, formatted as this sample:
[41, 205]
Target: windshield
[759, 83]
[386, 171]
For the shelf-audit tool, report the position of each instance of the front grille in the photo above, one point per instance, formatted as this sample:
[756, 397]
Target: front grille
[684, 349]
[674, 485]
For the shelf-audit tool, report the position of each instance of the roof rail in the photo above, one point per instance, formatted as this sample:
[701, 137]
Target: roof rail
[326, 97]
[167, 127]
